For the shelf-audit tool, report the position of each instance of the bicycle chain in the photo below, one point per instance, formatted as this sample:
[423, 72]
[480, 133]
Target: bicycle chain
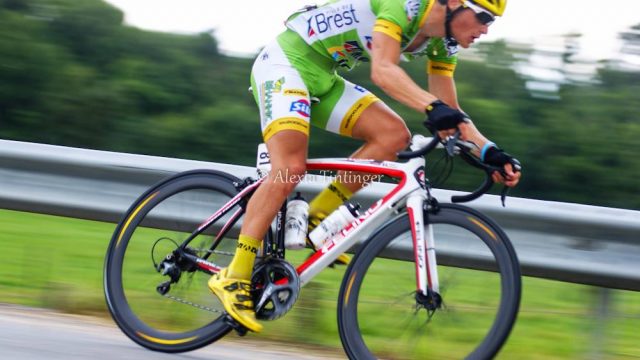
[218, 252]
[197, 306]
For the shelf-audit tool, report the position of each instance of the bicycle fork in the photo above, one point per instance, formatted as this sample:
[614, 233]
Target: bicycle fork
[427, 284]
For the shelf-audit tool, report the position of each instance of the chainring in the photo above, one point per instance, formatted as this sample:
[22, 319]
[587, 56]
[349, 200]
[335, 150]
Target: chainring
[275, 288]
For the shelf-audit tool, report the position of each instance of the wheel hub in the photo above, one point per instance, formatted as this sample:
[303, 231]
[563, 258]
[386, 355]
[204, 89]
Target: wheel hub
[431, 301]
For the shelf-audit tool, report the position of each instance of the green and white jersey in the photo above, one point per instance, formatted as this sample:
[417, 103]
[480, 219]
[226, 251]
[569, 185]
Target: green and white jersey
[342, 30]
[299, 66]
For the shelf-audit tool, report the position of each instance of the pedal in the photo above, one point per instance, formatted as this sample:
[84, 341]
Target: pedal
[240, 330]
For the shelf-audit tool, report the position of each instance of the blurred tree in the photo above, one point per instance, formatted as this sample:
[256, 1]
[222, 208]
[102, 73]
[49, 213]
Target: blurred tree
[631, 40]
[17, 5]
[72, 74]
[90, 29]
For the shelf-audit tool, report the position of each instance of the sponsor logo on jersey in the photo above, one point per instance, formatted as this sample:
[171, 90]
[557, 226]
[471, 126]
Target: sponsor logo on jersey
[302, 107]
[451, 45]
[411, 8]
[268, 88]
[350, 49]
[442, 69]
[295, 92]
[310, 31]
[331, 19]
[356, 51]
[369, 40]
[360, 88]
[339, 56]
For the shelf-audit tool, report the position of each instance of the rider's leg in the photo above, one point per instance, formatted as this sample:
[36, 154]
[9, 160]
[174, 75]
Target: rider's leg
[351, 110]
[384, 133]
[284, 104]
[288, 154]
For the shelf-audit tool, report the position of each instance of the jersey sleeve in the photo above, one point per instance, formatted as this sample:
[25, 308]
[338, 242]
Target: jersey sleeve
[391, 18]
[440, 62]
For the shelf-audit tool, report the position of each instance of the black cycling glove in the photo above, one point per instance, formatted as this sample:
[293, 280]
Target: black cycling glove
[495, 156]
[441, 116]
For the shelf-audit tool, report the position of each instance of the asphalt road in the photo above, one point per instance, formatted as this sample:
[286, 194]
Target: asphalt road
[35, 334]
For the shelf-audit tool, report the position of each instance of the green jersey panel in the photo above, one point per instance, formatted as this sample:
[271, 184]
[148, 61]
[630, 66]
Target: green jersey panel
[341, 32]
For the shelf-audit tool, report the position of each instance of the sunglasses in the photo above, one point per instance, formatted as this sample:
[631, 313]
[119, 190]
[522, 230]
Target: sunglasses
[484, 16]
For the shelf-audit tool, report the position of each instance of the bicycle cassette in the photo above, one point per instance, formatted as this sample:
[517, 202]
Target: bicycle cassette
[275, 288]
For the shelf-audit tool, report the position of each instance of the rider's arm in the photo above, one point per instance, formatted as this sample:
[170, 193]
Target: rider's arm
[391, 78]
[443, 86]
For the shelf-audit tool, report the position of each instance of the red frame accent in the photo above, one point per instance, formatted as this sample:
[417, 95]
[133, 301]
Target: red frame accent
[371, 169]
[207, 266]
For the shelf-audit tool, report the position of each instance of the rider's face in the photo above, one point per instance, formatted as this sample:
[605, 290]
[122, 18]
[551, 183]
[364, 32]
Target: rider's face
[467, 27]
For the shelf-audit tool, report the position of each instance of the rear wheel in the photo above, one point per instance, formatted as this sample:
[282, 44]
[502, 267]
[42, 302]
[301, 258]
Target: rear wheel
[381, 317]
[171, 310]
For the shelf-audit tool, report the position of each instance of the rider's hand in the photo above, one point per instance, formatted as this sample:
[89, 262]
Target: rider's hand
[443, 118]
[512, 168]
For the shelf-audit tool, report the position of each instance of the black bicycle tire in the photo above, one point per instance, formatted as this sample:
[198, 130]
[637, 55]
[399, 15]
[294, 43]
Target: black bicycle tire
[451, 214]
[117, 304]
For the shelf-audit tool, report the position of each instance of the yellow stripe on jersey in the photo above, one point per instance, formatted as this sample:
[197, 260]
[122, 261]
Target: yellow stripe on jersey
[426, 13]
[288, 123]
[389, 28]
[351, 117]
[440, 68]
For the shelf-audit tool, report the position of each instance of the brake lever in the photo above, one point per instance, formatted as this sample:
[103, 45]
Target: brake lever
[451, 143]
[503, 195]
[505, 188]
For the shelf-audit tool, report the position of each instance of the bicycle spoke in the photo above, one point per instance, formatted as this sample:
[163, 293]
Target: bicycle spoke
[163, 301]
[390, 322]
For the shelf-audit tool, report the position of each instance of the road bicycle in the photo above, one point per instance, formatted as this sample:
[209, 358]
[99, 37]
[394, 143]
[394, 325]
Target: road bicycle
[401, 296]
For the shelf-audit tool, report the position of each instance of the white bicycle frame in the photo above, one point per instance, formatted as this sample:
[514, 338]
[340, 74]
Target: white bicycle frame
[410, 191]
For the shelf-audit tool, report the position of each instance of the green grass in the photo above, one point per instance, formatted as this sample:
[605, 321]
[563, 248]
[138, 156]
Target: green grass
[57, 263]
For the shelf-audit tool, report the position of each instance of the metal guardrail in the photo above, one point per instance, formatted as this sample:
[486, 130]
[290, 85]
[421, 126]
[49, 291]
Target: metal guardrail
[568, 242]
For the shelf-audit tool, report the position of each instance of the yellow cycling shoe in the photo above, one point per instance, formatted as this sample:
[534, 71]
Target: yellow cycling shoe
[235, 297]
[343, 259]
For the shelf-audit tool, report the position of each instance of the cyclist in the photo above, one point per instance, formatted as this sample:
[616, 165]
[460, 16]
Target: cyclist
[300, 65]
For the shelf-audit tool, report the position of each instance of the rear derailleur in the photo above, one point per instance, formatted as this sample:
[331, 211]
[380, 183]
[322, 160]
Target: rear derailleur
[173, 265]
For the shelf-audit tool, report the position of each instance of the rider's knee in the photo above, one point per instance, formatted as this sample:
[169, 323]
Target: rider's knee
[297, 169]
[396, 138]
[402, 140]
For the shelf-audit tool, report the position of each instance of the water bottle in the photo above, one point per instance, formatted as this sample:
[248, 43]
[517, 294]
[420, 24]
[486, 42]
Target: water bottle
[295, 228]
[335, 222]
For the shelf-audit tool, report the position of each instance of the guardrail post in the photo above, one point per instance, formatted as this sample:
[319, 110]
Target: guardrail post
[602, 301]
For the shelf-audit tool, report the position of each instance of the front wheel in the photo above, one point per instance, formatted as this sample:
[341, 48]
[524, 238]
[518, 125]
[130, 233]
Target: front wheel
[380, 316]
